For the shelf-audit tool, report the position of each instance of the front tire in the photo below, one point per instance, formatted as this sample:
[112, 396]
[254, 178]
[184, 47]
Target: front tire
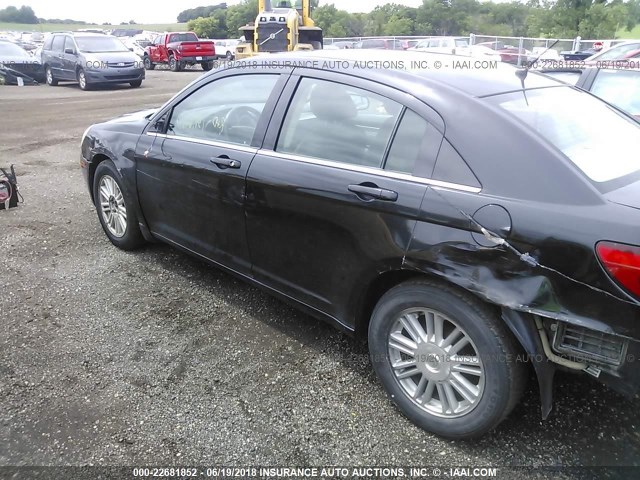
[114, 208]
[82, 80]
[136, 83]
[148, 64]
[446, 359]
[51, 81]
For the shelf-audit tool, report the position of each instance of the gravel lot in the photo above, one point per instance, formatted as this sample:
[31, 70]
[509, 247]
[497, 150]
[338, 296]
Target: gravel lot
[152, 357]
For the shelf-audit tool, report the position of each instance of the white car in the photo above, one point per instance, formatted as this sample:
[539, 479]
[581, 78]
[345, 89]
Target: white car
[544, 53]
[456, 46]
[226, 48]
[132, 45]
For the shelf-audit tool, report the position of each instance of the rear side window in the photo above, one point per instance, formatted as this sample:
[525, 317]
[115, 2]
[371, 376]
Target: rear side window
[58, 43]
[415, 137]
[340, 123]
[453, 169]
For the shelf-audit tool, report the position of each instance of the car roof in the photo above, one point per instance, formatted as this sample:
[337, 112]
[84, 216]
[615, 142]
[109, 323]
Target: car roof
[476, 82]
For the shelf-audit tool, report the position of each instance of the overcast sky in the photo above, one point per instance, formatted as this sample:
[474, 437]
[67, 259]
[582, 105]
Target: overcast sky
[154, 11]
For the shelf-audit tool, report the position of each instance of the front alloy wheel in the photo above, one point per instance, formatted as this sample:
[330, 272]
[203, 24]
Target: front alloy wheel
[445, 358]
[112, 206]
[82, 80]
[118, 221]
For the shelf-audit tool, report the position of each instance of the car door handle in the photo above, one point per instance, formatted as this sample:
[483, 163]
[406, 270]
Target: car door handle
[224, 162]
[368, 192]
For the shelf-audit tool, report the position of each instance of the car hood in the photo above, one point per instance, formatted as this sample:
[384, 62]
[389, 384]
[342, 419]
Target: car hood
[134, 117]
[111, 57]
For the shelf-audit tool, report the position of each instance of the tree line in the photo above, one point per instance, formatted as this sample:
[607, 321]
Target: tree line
[537, 18]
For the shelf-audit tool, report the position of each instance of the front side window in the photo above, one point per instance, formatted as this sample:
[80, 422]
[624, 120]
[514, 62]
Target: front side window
[600, 141]
[225, 110]
[620, 88]
[340, 123]
[69, 44]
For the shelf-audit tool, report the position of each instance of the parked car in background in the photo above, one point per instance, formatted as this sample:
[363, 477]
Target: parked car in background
[362, 199]
[544, 53]
[617, 52]
[508, 53]
[380, 44]
[456, 46]
[133, 46]
[617, 86]
[226, 49]
[90, 59]
[15, 58]
[178, 50]
[343, 44]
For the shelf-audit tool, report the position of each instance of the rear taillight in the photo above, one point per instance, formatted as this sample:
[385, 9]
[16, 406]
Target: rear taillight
[623, 264]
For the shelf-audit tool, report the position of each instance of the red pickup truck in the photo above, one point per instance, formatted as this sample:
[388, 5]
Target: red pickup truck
[179, 49]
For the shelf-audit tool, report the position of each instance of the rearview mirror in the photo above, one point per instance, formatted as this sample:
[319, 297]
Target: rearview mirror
[131, 49]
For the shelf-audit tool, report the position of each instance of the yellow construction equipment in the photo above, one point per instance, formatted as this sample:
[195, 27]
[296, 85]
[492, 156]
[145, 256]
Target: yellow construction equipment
[283, 28]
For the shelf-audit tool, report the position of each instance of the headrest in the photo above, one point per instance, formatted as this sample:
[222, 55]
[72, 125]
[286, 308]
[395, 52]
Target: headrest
[332, 102]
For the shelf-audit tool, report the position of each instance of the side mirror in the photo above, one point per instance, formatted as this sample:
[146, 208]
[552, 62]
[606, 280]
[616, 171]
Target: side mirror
[159, 125]
[69, 51]
[131, 49]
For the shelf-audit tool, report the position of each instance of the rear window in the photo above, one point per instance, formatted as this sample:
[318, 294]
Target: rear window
[183, 37]
[599, 140]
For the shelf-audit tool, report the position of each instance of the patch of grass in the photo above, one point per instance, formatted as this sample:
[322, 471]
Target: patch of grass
[55, 27]
[634, 34]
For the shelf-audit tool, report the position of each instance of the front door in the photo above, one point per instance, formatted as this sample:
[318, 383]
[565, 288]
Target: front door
[191, 174]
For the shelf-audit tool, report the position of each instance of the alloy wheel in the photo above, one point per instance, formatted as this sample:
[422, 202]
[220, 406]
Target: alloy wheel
[435, 363]
[112, 207]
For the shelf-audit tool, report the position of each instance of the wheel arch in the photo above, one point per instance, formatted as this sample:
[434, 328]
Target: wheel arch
[96, 160]
[521, 325]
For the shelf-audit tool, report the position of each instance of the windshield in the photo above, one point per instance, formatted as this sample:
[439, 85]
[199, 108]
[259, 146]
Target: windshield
[100, 44]
[600, 141]
[11, 50]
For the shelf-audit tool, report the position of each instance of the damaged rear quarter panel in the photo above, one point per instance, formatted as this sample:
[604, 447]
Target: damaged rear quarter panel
[560, 237]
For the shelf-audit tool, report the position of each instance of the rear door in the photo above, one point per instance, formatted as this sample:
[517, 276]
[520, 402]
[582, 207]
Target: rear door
[191, 172]
[331, 200]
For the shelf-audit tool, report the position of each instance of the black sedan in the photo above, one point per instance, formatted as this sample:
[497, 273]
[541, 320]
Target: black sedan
[618, 85]
[467, 227]
[14, 60]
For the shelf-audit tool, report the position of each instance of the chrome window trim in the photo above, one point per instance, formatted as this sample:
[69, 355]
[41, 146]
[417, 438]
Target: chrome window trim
[232, 146]
[370, 170]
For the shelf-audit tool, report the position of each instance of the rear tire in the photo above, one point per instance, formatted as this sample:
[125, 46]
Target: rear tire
[51, 80]
[206, 66]
[174, 64]
[459, 376]
[114, 206]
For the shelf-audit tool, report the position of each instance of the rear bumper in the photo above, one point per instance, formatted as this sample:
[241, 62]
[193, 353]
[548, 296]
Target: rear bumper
[198, 59]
